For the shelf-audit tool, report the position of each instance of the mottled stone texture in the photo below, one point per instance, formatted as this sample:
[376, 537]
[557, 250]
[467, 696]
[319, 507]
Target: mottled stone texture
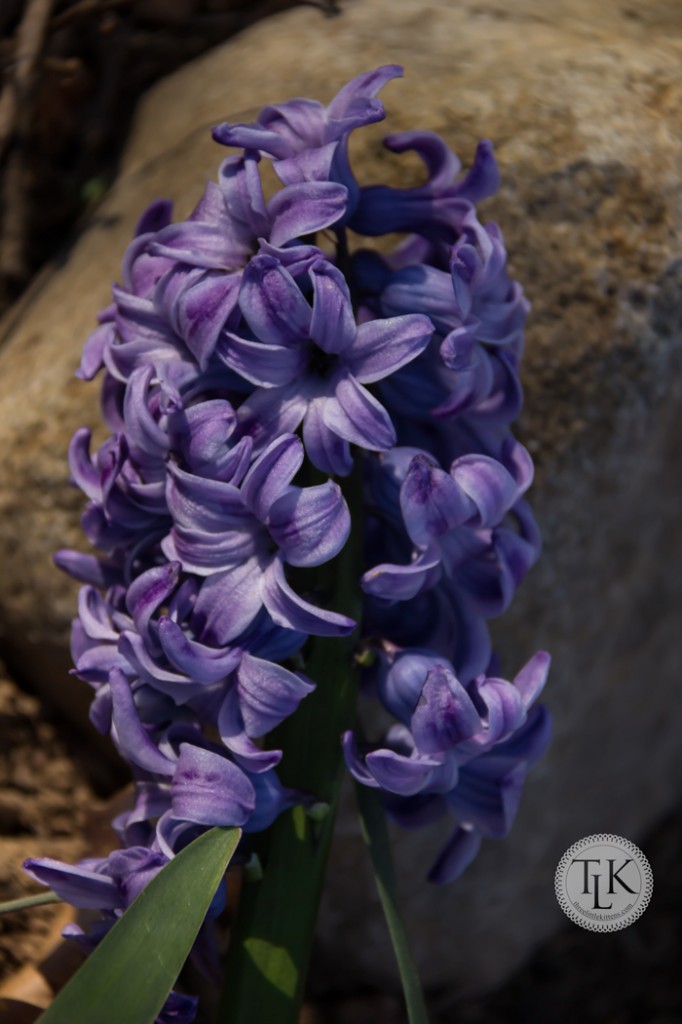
[585, 108]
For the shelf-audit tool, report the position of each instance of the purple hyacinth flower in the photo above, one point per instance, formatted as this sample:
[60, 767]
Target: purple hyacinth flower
[230, 332]
[311, 365]
[240, 538]
[452, 520]
[309, 142]
[463, 750]
[437, 209]
[109, 883]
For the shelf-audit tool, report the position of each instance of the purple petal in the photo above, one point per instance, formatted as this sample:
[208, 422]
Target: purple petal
[203, 430]
[128, 732]
[210, 790]
[356, 415]
[311, 165]
[267, 414]
[211, 505]
[354, 105]
[483, 179]
[95, 664]
[297, 259]
[299, 121]
[271, 474]
[268, 366]
[157, 215]
[383, 346]
[301, 209]
[94, 616]
[87, 568]
[273, 304]
[530, 681]
[355, 763]
[326, 450]
[506, 711]
[232, 733]
[201, 663]
[430, 501]
[400, 774]
[173, 684]
[92, 358]
[518, 461]
[445, 714]
[204, 553]
[311, 524]
[75, 885]
[292, 612]
[149, 591]
[251, 137]
[227, 604]
[403, 582]
[488, 484]
[488, 804]
[83, 471]
[268, 694]
[401, 687]
[142, 429]
[198, 244]
[441, 163]
[456, 856]
[527, 744]
[280, 131]
[517, 556]
[333, 325]
[199, 304]
[213, 529]
[240, 185]
[422, 289]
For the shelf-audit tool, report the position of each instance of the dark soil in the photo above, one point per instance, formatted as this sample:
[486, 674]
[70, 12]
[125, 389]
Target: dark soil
[45, 797]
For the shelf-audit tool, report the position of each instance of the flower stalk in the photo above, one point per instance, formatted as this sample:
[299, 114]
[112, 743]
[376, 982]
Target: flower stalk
[274, 931]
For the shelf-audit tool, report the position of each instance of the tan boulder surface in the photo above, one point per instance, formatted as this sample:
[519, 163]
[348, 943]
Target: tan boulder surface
[584, 105]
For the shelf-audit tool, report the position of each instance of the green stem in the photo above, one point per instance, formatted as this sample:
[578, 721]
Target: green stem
[26, 902]
[273, 935]
[375, 832]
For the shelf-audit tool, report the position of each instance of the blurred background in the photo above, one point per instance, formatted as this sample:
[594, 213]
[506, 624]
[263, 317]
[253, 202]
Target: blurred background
[584, 106]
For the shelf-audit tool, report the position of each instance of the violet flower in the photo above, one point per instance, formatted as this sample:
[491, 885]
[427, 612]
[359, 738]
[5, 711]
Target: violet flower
[310, 365]
[232, 333]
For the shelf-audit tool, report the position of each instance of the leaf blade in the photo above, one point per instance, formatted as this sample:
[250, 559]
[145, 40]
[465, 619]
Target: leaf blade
[375, 834]
[127, 978]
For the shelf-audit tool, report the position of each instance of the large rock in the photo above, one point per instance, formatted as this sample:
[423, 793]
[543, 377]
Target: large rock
[585, 109]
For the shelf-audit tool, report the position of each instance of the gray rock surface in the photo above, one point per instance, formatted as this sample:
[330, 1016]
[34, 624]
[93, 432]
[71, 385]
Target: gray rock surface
[585, 107]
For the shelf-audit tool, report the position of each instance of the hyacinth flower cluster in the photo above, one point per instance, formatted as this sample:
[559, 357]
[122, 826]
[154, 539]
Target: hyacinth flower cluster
[253, 357]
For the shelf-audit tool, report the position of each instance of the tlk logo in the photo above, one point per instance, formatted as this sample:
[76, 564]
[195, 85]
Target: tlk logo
[595, 879]
[603, 883]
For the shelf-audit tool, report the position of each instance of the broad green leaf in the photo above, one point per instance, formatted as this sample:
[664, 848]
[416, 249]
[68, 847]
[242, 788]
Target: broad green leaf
[130, 974]
[375, 833]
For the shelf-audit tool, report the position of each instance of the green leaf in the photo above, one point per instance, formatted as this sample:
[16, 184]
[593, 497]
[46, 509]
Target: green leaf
[375, 833]
[129, 975]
